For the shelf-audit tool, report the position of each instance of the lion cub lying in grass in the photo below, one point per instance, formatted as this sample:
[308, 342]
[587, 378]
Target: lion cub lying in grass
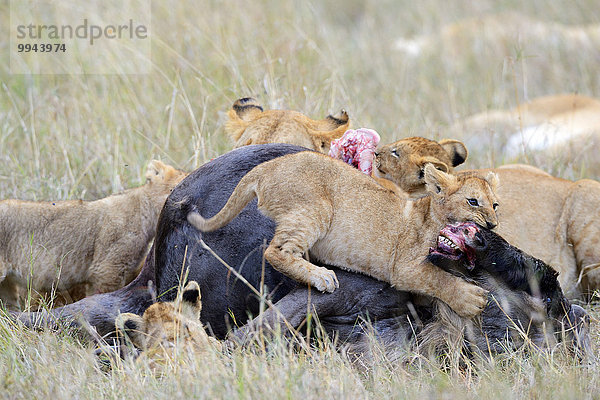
[58, 246]
[249, 124]
[344, 218]
[169, 327]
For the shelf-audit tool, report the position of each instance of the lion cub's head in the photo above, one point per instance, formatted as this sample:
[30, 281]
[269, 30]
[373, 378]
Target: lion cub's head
[162, 178]
[167, 327]
[466, 196]
[250, 124]
[403, 162]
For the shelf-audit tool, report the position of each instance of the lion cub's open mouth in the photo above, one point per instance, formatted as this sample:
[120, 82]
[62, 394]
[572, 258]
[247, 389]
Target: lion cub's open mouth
[456, 242]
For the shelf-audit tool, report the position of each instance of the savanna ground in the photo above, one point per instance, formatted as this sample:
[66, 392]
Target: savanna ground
[86, 136]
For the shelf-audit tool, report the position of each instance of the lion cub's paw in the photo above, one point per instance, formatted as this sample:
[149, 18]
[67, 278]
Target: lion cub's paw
[469, 300]
[323, 279]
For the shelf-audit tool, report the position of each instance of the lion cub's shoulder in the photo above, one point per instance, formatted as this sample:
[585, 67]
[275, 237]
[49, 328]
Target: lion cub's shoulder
[250, 124]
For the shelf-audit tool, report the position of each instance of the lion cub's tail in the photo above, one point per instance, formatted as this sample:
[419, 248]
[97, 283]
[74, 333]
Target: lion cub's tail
[243, 193]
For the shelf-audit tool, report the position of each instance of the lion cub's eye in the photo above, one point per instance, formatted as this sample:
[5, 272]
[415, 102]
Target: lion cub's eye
[495, 205]
[394, 153]
[473, 202]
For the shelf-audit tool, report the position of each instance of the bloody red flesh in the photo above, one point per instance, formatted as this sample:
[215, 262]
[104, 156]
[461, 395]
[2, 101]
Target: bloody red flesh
[456, 241]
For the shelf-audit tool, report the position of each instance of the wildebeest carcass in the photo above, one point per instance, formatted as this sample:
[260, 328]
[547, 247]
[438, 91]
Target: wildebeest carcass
[228, 301]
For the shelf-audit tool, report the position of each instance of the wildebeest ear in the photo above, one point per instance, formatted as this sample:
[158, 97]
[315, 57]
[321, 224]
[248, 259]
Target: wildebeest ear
[247, 108]
[456, 150]
[132, 327]
[493, 180]
[436, 181]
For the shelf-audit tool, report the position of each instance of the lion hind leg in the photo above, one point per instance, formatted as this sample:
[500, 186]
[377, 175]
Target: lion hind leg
[285, 253]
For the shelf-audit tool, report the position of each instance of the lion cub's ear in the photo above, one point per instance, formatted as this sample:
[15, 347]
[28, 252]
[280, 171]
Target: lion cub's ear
[333, 121]
[247, 108]
[456, 150]
[132, 327]
[156, 170]
[423, 161]
[493, 180]
[436, 181]
[190, 300]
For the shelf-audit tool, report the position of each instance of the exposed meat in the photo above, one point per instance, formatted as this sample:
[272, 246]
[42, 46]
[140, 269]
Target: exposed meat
[456, 241]
[357, 148]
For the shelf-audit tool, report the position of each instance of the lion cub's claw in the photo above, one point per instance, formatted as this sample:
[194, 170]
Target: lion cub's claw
[324, 280]
[470, 300]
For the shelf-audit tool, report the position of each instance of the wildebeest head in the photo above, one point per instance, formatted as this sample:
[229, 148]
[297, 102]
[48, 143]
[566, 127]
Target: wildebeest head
[524, 289]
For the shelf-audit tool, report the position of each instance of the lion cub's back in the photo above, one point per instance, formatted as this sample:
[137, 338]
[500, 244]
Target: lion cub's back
[32, 216]
[308, 174]
[321, 190]
[276, 126]
[49, 226]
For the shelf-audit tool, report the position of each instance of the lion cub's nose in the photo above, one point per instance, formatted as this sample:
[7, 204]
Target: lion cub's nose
[491, 225]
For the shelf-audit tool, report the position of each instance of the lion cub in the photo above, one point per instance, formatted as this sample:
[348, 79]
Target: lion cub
[347, 220]
[403, 162]
[564, 231]
[69, 244]
[249, 124]
[168, 327]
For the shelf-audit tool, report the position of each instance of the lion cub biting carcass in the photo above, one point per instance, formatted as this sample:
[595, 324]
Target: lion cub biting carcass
[344, 218]
[563, 230]
[62, 245]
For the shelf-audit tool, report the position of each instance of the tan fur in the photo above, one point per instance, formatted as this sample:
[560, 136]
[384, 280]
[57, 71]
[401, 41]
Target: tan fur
[525, 167]
[499, 34]
[343, 218]
[562, 228]
[563, 127]
[249, 124]
[572, 111]
[64, 245]
[167, 329]
[550, 218]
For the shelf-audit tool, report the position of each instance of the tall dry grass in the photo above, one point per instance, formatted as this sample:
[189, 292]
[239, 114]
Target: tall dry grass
[70, 136]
